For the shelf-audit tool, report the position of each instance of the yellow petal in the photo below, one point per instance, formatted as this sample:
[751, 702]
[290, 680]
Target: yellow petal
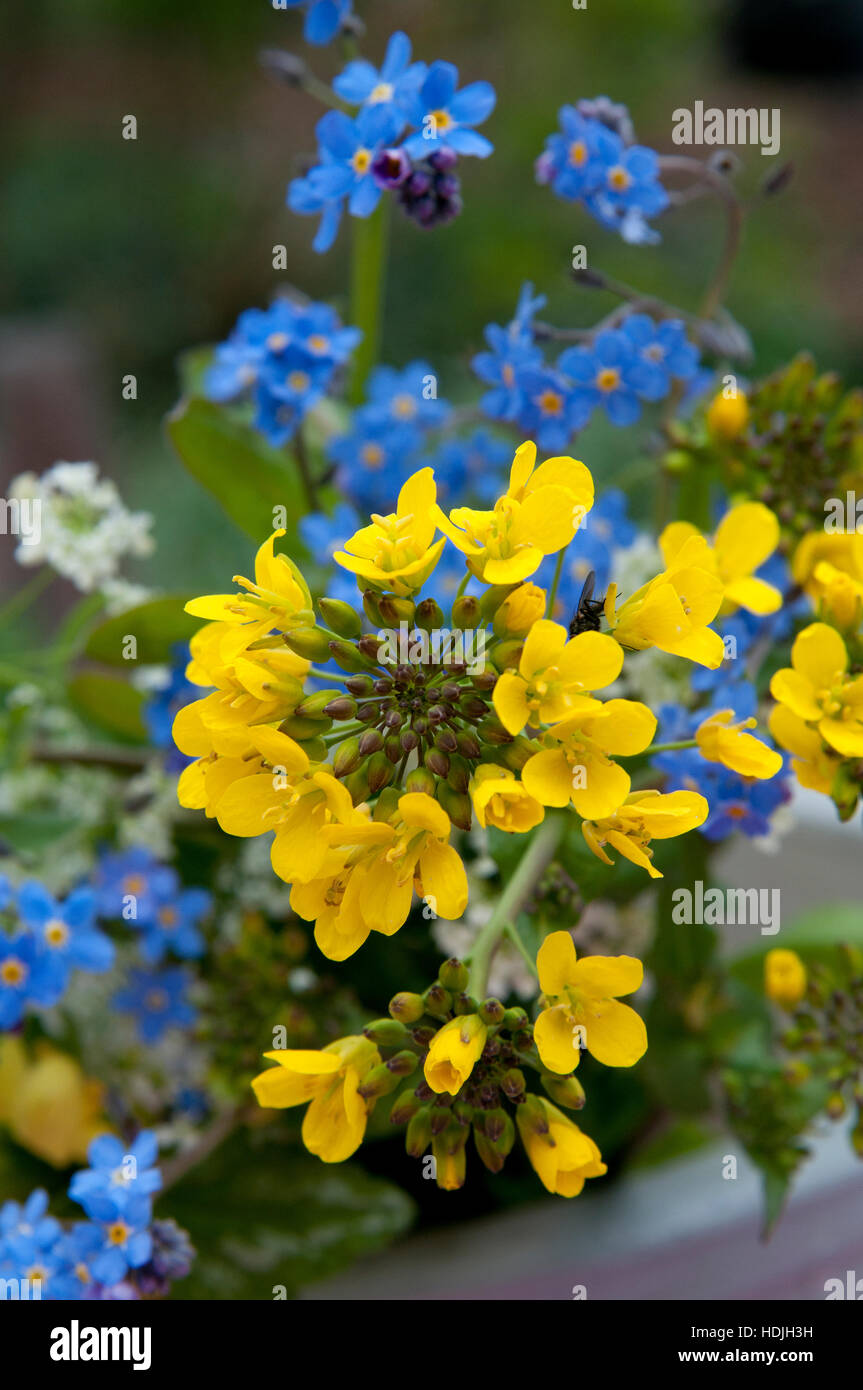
[555, 963]
[614, 1033]
[557, 1040]
[608, 976]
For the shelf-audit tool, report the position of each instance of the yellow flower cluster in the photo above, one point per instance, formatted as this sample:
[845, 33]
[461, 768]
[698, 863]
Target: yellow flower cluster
[472, 1058]
[361, 785]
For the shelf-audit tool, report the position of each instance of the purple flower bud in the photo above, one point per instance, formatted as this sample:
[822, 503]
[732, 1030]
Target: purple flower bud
[391, 168]
[443, 160]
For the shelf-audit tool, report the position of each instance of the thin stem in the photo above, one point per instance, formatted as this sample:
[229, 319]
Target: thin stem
[368, 275]
[177, 1167]
[671, 747]
[512, 934]
[555, 583]
[718, 184]
[305, 467]
[535, 859]
[91, 757]
[27, 594]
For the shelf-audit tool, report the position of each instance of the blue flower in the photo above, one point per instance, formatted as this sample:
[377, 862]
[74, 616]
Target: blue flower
[575, 160]
[444, 116]
[131, 884]
[373, 459]
[25, 1230]
[324, 18]
[605, 374]
[65, 931]
[347, 151]
[512, 353]
[28, 975]
[662, 351]
[406, 395]
[175, 925]
[396, 83]
[7, 896]
[157, 999]
[617, 182]
[471, 467]
[75, 1252]
[285, 357]
[123, 1219]
[115, 1167]
[548, 413]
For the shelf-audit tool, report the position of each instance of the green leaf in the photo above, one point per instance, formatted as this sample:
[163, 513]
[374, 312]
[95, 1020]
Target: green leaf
[111, 703]
[261, 1217]
[233, 462]
[156, 626]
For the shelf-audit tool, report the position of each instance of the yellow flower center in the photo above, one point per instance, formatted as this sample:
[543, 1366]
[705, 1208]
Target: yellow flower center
[169, 917]
[56, 932]
[156, 1001]
[299, 381]
[577, 152]
[608, 378]
[13, 971]
[277, 342]
[619, 178]
[442, 121]
[372, 455]
[382, 92]
[405, 407]
[134, 884]
[361, 161]
[550, 402]
[119, 1232]
[317, 342]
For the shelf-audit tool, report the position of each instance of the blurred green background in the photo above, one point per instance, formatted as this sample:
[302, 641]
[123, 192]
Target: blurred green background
[118, 255]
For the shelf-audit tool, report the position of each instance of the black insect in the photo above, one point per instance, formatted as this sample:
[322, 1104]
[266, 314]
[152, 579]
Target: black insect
[588, 612]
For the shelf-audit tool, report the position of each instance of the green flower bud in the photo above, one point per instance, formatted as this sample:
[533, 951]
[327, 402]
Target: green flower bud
[459, 774]
[563, 1090]
[418, 1136]
[437, 1001]
[308, 642]
[360, 685]
[348, 658]
[403, 1063]
[380, 772]
[301, 727]
[380, 1081]
[340, 617]
[315, 749]
[466, 612]
[514, 755]
[406, 1007]
[465, 1004]
[489, 1154]
[512, 1083]
[358, 785]
[514, 1019]
[456, 804]
[437, 762]
[420, 780]
[386, 1032]
[454, 975]
[493, 598]
[404, 1107]
[314, 706]
[396, 610]
[371, 608]
[468, 744]
[508, 654]
[429, 615]
[493, 731]
[347, 757]
[342, 707]
[491, 1011]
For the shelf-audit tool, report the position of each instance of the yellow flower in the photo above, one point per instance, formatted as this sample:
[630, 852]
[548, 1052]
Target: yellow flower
[397, 553]
[784, 977]
[335, 1122]
[555, 675]
[818, 690]
[519, 611]
[727, 415]
[721, 741]
[746, 536]
[369, 871]
[842, 550]
[813, 765]
[48, 1104]
[499, 799]
[450, 1159]
[562, 1155]
[278, 597]
[839, 596]
[582, 1007]
[453, 1052]
[672, 611]
[538, 515]
[645, 816]
[575, 766]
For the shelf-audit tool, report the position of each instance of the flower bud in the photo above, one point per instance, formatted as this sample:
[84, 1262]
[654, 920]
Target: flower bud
[494, 597]
[508, 654]
[418, 1134]
[493, 731]
[370, 741]
[404, 1107]
[380, 772]
[314, 706]
[519, 611]
[454, 975]
[358, 784]
[514, 1019]
[388, 1032]
[437, 1001]
[512, 1084]
[465, 1004]
[371, 608]
[465, 612]
[468, 745]
[437, 762]
[420, 780]
[301, 727]
[456, 804]
[380, 1081]
[406, 1007]
[309, 642]
[344, 620]
[341, 708]
[396, 610]
[429, 615]
[491, 1011]
[403, 1063]
[514, 755]
[564, 1090]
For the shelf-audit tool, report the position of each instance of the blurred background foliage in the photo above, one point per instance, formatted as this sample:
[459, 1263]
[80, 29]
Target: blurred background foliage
[137, 250]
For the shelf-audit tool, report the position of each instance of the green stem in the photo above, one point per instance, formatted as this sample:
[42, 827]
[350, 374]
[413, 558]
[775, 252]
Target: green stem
[511, 933]
[535, 859]
[27, 594]
[671, 747]
[555, 583]
[368, 275]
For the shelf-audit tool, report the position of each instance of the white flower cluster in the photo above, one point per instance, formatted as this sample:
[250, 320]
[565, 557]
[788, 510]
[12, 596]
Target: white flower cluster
[85, 531]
